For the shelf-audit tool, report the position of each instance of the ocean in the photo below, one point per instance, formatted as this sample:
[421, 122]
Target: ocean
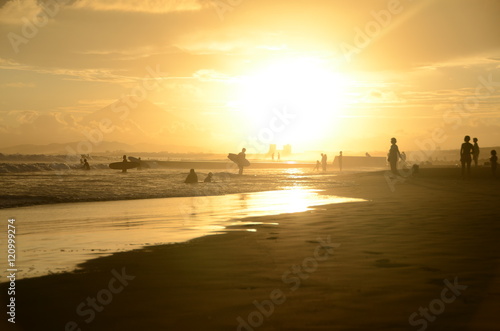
[69, 216]
[41, 183]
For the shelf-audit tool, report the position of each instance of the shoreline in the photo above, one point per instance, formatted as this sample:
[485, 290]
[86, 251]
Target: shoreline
[395, 254]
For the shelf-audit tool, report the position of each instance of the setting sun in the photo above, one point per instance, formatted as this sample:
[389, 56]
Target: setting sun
[304, 87]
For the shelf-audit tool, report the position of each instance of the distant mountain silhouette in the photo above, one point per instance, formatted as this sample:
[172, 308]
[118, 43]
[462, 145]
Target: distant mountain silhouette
[142, 122]
[140, 126]
[144, 116]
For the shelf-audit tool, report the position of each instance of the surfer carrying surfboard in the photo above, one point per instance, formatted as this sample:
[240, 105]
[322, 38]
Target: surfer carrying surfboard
[124, 160]
[241, 160]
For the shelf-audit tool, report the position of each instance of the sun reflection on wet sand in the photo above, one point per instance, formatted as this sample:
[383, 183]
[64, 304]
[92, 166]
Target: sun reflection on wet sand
[55, 238]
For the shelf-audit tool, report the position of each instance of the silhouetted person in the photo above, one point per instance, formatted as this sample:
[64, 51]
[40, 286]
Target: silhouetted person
[318, 165]
[465, 155]
[124, 160]
[86, 165]
[475, 152]
[494, 162]
[279, 156]
[367, 154]
[323, 161]
[208, 179]
[191, 178]
[241, 159]
[394, 156]
[403, 157]
[340, 161]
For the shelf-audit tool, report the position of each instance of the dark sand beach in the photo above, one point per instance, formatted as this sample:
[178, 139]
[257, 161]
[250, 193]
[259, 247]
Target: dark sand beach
[430, 245]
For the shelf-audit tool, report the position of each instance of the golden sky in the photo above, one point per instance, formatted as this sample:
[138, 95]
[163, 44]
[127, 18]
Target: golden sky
[224, 74]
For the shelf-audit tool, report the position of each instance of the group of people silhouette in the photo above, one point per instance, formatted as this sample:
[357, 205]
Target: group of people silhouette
[192, 177]
[470, 152]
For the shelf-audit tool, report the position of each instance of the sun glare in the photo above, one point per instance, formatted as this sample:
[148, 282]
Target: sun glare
[304, 87]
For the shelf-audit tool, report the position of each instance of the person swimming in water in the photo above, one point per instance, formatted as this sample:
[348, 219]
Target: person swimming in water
[208, 179]
[192, 178]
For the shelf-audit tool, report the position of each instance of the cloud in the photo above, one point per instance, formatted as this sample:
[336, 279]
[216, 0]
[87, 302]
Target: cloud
[207, 75]
[13, 12]
[146, 6]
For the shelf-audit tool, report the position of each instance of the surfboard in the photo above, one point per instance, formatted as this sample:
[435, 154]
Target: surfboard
[237, 160]
[141, 162]
[123, 165]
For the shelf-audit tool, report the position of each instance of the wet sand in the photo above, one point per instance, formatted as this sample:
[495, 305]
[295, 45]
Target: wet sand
[353, 266]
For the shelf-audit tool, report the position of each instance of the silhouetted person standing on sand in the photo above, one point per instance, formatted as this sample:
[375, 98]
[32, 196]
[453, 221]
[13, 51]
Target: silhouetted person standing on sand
[465, 156]
[241, 159]
[340, 160]
[192, 177]
[394, 156]
[494, 162]
[124, 160]
[475, 152]
[323, 161]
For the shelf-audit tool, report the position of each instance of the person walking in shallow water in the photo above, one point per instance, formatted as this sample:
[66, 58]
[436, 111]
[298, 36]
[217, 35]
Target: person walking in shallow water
[465, 155]
[475, 152]
[394, 156]
[124, 160]
[86, 165]
[241, 157]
